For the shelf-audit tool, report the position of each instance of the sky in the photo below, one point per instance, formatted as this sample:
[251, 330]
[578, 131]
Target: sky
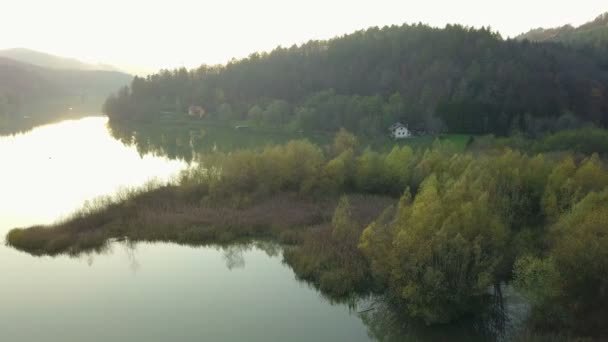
[154, 34]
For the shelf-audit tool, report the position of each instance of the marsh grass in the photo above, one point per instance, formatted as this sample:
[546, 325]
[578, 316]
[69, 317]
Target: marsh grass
[82, 230]
[171, 213]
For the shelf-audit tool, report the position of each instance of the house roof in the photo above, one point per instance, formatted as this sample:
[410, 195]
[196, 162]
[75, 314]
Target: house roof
[396, 125]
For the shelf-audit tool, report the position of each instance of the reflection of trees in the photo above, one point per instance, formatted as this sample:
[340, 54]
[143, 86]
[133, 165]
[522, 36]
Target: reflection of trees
[388, 322]
[22, 125]
[130, 249]
[156, 140]
[233, 255]
[46, 111]
[272, 249]
[500, 318]
[187, 139]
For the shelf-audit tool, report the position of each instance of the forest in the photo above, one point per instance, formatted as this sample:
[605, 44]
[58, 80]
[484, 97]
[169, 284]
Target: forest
[454, 79]
[594, 33]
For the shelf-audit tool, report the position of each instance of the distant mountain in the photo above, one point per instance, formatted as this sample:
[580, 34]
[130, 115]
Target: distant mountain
[27, 89]
[51, 61]
[593, 33]
[25, 79]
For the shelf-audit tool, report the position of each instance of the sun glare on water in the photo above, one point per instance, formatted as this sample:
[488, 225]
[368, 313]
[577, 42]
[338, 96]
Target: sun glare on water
[50, 171]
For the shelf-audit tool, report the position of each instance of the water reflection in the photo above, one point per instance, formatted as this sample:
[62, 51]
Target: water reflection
[502, 319]
[173, 293]
[184, 140]
[130, 252]
[52, 170]
[38, 113]
[233, 255]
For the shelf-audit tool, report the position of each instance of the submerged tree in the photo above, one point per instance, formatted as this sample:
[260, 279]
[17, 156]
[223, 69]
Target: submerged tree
[444, 251]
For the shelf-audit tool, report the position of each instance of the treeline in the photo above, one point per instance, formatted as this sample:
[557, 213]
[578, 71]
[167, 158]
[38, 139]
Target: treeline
[590, 38]
[456, 79]
[584, 141]
[593, 33]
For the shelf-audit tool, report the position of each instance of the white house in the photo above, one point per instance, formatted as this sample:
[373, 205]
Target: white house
[399, 131]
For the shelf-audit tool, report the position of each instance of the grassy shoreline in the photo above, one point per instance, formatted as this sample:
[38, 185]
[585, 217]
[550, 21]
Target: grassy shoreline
[168, 214]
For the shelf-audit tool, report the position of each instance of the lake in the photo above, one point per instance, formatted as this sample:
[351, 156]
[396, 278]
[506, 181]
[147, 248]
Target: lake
[167, 292]
[147, 292]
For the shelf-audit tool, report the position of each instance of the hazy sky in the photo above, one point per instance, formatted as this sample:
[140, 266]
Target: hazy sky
[164, 34]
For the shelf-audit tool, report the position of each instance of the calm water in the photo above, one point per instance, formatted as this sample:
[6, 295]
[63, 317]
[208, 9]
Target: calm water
[147, 292]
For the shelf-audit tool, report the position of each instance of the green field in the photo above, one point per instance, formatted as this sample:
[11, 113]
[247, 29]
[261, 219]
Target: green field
[385, 143]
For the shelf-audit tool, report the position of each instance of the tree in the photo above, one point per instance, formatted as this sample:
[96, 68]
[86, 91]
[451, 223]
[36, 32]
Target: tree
[256, 113]
[394, 109]
[339, 172]
[369, 172]
[568, 184]
[537, 279]
[277, 112]
[225, 112]
[444, 248]
[344, 228]
[568, 288]
[344, 140]
[397, 167]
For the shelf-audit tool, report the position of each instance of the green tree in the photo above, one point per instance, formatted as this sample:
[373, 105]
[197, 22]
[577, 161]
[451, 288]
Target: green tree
[369, 172]
[277, 112]
[445, 250]
[569, 288]
[344, 140]
[225, 112]
[398, 166]
[256, 113]
[344, 228]
[339, 172]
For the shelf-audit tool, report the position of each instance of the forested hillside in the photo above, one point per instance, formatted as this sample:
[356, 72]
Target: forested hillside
[592, 33]
[22, 85]
[51, 61]
[590, 38]
[454, 79]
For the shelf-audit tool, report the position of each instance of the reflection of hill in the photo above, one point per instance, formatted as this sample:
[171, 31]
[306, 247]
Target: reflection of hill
[31, 95]
[186, 139]
[48, 111]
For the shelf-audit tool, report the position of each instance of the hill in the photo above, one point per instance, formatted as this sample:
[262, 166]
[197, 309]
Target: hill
[25, 86]
[457, 79]
[51, 61]
[17, 78]
[593, 33]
